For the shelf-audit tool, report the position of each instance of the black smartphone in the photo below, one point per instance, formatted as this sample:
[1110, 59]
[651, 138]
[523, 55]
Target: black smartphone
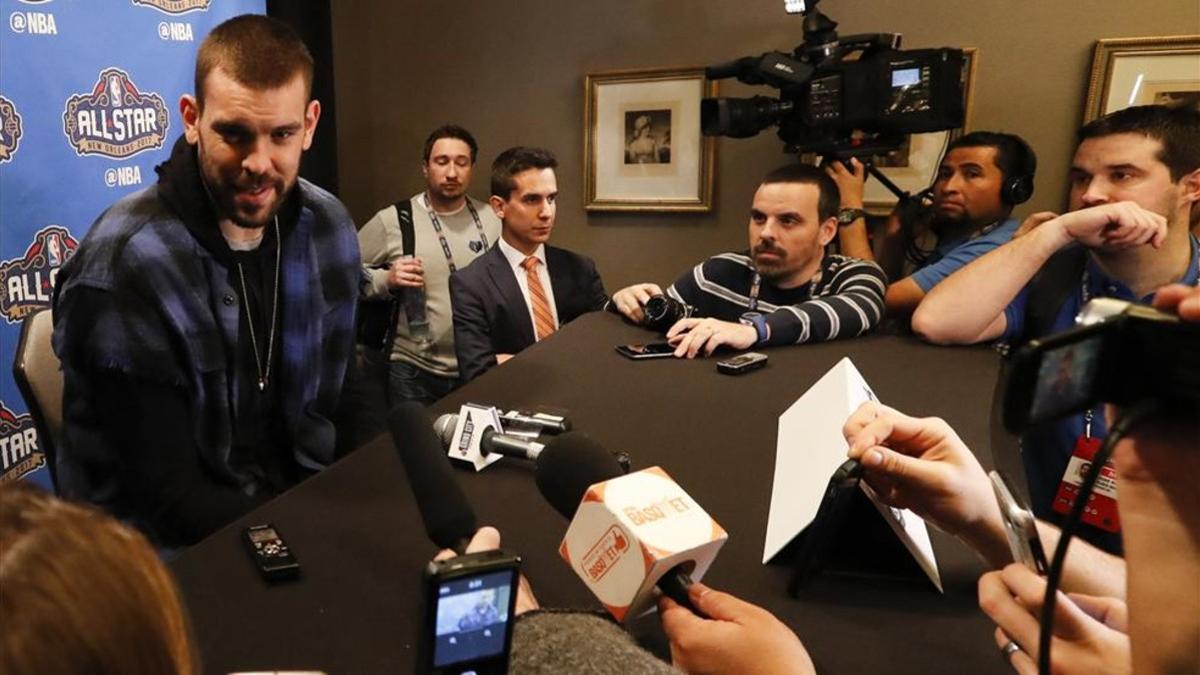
[741, 364]
[467, 614]
[651, 350]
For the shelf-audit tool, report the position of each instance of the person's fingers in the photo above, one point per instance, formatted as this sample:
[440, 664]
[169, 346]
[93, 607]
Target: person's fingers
[700, 336]
[487, 538]
[1019, 660]
[1109, 611]
[1030, 590]
[677, 620]
[1168, 297]
[996, 600]
[445, 554]
[720, 606]
[861, 417]
[642, 293]
[682, 326]
[906, 434]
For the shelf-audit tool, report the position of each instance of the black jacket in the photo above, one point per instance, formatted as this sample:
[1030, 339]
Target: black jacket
[490, 314]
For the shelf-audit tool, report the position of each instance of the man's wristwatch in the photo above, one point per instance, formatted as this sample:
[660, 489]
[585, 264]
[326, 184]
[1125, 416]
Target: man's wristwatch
[847, 216]
[759, 322]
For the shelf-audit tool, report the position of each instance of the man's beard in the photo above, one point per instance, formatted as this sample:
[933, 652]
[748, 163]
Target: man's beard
[224, 196]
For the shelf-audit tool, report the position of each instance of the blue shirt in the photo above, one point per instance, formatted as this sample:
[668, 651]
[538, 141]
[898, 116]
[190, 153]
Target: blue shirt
[1047, 448]
[952, 253]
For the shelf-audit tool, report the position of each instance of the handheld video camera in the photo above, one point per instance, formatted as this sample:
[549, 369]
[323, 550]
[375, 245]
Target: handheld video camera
[1118, 353]
[835, 105]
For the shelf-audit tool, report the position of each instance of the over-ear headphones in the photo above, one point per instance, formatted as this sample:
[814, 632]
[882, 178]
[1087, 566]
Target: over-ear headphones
[1017, 187]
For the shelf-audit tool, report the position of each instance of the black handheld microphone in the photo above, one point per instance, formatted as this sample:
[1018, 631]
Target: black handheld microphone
[448, 516]
[571, 464]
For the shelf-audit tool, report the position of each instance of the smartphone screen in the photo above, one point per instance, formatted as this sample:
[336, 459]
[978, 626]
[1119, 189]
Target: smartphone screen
[1066, 379]
[652, 350]
[472, 620]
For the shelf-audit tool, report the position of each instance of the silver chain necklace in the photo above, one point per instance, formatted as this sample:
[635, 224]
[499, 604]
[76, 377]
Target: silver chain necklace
[264, 376]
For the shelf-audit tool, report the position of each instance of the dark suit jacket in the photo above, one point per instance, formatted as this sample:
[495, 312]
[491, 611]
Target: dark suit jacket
[490, 314]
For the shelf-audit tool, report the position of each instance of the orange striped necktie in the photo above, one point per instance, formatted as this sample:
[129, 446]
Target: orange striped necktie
[543, 320]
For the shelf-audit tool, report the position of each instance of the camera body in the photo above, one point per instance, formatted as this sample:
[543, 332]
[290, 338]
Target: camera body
[838, 106]
[662, 311]
[1119, 353]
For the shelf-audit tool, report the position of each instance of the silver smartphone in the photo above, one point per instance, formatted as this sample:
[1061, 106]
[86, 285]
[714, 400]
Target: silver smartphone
[1020, 527]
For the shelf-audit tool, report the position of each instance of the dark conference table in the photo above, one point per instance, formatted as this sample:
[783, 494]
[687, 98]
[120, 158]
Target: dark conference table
[357, 534]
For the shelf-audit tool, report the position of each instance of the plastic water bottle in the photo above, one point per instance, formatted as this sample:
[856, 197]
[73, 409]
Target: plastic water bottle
[414, 313]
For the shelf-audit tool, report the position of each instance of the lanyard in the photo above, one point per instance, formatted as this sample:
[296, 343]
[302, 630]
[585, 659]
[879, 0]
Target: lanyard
[437, 227]
[756, 287]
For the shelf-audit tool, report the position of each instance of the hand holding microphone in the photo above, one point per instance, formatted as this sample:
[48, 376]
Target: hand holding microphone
[628, 533]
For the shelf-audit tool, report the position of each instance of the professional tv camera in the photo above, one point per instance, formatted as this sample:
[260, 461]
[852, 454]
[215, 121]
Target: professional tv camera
[857, 96]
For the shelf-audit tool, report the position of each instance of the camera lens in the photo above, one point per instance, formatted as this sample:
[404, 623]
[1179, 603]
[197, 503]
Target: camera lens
[662, 312]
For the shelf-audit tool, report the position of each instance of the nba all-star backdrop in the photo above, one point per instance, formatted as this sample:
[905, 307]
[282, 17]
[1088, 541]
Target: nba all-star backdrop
[89, 93]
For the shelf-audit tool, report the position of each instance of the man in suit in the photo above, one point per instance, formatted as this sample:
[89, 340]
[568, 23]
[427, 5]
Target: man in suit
[521, 290]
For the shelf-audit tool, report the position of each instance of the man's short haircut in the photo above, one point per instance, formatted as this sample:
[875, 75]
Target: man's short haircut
[512, 162]
[450, 131]
[257, 51]
[1014, 157]
[828, 200]
[1177, 129]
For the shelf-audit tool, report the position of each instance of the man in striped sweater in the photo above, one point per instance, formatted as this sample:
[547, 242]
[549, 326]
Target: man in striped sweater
[785, 289]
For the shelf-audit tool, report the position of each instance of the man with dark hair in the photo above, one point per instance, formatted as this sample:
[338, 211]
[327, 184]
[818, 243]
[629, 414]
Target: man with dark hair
[982, 176]
[1134, 181]
[785, 289]
[409, 251]
[522, 290]
[205, 325]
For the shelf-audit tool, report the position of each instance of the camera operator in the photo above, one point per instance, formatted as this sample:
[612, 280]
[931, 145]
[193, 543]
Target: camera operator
[982, 176]
[785, 289]
[1134, 180]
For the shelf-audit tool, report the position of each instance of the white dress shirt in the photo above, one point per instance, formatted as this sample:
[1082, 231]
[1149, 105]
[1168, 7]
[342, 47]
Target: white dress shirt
[515, 258]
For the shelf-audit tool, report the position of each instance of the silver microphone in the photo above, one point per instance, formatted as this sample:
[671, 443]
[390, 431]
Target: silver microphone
[491, 441]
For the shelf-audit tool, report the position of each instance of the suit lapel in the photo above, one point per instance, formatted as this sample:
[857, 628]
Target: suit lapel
[510, 294]
[560, 282]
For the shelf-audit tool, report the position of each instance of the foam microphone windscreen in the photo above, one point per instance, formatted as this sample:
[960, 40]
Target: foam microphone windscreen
[570, 464]
[448, 516]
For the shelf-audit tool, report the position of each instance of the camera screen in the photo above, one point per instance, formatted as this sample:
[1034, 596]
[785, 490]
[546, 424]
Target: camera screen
[906, 77]
[1066, 378]
[472, 618]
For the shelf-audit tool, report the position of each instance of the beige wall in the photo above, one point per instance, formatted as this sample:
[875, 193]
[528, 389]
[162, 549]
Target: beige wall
[512, 72]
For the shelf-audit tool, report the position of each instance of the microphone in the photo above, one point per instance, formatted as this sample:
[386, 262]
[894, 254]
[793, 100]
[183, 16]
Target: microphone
[543, 422]
[448, 517]
[491, 441]
[628, 533]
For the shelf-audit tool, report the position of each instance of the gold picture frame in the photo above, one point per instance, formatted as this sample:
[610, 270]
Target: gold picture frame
[922, 153]
[1139, 71]
[642, 146]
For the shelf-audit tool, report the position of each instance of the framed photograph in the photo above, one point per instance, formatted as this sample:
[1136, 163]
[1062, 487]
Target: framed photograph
[914, 165]
[1140, 71]
[642, 147]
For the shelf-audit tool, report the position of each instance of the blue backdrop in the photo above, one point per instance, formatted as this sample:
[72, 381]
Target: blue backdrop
[89, 103]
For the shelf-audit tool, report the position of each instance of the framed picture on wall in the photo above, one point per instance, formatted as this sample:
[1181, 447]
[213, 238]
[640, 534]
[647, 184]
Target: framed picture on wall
[913, 165]
[642, 147]
[1140, 71]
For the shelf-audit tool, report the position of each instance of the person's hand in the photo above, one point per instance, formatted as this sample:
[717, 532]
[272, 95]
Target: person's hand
[922, 465]
[407, 272]
[849, 181]
[488, 539]
[692, 336]
[1089, 635]
[1113, 226]
[630, 300]
[739, 638]
[1032, 221]
[1179, 299]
